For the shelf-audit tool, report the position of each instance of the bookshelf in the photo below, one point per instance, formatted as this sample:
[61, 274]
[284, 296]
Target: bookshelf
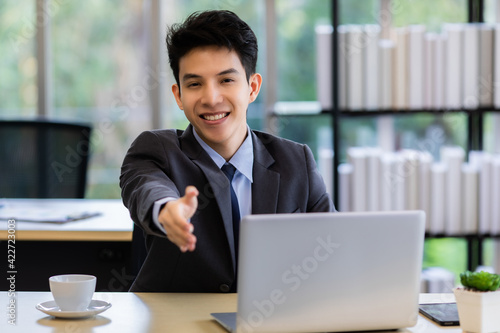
[474, 118]
[293, 116]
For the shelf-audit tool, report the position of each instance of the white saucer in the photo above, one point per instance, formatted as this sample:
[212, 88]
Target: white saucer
[51, 308]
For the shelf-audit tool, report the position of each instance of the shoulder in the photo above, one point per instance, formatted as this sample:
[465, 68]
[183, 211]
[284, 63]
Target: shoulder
[270, 140]
[281, 153]
[279, 146]
[161, 136]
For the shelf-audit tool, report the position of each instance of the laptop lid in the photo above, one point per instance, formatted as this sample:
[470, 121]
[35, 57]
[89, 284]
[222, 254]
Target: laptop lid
[329, 271]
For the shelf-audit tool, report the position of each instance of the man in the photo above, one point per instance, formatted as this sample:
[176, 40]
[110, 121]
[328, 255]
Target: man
[172, 181]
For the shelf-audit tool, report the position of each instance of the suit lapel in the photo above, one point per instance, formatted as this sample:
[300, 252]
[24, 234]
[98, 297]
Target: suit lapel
[219, 184]
[264, 193]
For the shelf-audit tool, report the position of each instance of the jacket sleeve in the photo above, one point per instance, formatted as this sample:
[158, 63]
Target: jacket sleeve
[144, 179]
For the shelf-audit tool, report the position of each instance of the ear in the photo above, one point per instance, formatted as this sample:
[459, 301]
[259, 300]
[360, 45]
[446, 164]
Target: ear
[255, 84]
[177, 94]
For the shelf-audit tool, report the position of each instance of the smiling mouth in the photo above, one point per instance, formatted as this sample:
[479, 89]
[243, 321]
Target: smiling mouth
[213, 117]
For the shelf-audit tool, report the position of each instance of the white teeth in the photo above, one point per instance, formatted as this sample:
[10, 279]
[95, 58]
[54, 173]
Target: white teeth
[215, 117]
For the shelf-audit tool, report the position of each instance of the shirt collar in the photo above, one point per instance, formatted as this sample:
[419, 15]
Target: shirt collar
[240, 158]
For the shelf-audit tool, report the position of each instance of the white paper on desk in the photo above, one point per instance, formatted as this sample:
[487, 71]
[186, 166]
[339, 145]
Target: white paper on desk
[39, 214]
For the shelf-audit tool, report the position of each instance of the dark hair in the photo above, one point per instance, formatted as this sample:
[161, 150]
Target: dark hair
[221, 28]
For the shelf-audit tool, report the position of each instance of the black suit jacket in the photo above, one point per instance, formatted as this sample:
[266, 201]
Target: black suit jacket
[162, 163]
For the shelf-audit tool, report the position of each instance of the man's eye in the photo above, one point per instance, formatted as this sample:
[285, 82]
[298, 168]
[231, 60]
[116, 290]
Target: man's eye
[193, 84]
[227, 80]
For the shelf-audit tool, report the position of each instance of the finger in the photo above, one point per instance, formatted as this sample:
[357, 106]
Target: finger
[183, 226]
[182, 240]
[184, 245]
[192, 244]
[191, 191]
[177, 229]
[181, 233]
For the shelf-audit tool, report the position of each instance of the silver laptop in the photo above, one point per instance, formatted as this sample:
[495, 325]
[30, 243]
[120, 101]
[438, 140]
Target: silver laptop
[332, 272]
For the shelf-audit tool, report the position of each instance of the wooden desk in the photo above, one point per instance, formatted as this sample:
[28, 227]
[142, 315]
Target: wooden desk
[98, 245]
[114, 223]
[154, 312]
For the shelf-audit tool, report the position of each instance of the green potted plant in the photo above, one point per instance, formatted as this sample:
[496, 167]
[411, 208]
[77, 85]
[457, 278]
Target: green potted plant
[478, 302]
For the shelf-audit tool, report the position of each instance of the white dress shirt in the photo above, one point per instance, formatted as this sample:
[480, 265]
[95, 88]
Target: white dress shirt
[242, 160]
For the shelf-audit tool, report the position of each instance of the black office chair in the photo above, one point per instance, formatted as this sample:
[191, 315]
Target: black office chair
[43, 159]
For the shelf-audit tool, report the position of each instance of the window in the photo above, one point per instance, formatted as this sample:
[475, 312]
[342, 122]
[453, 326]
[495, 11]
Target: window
[18, 65]
[101, 75]
[101, 72]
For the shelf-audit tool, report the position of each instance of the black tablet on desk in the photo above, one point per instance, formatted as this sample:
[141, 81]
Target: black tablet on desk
[445, 314]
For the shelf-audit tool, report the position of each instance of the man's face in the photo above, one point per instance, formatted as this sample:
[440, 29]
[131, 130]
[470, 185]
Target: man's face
[214, 93]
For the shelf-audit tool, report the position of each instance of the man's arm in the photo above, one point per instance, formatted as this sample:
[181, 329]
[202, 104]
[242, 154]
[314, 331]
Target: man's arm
[144, 181]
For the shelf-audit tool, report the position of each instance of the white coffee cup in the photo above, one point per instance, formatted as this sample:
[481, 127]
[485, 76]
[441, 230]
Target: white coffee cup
[72, 292]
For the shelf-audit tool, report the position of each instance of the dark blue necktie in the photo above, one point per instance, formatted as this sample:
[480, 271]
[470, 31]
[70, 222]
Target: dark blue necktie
[229, 171]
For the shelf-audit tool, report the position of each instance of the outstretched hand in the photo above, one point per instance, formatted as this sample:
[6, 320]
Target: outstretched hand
[175, 217]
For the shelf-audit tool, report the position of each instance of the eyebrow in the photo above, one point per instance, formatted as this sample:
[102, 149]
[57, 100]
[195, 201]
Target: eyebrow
[188, 76]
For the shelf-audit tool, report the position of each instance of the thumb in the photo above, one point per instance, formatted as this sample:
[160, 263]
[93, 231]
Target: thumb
[191, 193]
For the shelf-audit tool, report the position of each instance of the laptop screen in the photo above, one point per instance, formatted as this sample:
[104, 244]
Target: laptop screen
[329, 271]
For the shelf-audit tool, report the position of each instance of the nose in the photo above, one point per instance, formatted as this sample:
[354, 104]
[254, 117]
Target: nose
[211, 95]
